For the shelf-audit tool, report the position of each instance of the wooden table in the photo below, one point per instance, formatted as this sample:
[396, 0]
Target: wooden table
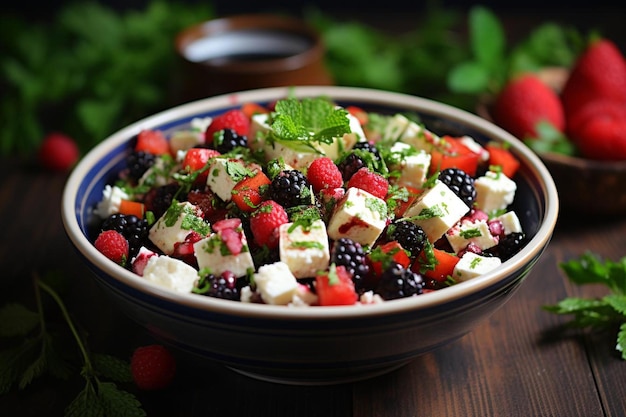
[514, 364]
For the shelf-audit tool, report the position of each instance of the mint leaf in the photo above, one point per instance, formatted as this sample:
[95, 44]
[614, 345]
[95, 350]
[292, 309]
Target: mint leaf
[468, 77]
[17, 320]
[487, 38]
[112, 368]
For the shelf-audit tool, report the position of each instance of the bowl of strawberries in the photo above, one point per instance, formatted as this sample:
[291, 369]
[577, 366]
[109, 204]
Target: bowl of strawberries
[576, 122]
[309, 234]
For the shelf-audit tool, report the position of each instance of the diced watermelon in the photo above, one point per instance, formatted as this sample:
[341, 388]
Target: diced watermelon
[335, 287]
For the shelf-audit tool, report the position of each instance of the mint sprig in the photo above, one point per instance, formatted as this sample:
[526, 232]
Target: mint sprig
[596, 313]
[309, 121]
[35, 349]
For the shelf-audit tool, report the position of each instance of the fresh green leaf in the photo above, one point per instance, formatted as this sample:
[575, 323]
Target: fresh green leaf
[596, 313]
[17, 320]
[469, 77]
[487, 38]
[112, 368]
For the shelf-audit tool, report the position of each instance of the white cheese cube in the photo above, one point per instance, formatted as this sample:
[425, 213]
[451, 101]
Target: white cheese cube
[112, 197]
[436, 210]
[305, 251]
[494, 191]
[510, 222]
[175, 224]
[224, 174]
[472, 265]
[300, 158]
[183, 140]
[214, 253]
[411, 163]
[276, 283]
[467, 232]
[359, 216]
[395, 127]
[419, 137]
[170, 273]
[160, 173]
[477, 148]
[304, 297]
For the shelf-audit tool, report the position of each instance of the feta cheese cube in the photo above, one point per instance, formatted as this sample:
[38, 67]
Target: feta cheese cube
[510, 222]
[494, 191]
[224, 174]
[359, 216]
[436, 210]
[411, 163]
[467, 232]
[300, 158]
[112, 197]
[170, 273]
[276, 283]
[214, 252]
[419, 137]
[472, 265]
[305, 251]
[180, 219]
[183, 140]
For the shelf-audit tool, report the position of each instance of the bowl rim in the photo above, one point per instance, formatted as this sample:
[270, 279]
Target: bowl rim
[355, 94]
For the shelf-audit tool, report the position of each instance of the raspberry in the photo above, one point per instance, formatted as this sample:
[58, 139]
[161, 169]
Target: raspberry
[323, 173]
[369, 181]
[113, 245]
[153, 367]
[58, 152]
[134, 229]
[265, 221]
[233, 119]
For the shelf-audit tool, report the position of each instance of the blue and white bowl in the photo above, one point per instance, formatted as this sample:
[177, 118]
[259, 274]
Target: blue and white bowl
[320, 345]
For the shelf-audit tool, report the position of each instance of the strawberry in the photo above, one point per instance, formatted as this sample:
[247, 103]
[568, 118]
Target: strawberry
[369, 181]
[597, 129]
[153, 367]
[524, 102]
[265, 221]
[323, 173]
[113, 245]
[234, 119]
[58, 152]
[152, 141]
[599, 72]
[335, 287]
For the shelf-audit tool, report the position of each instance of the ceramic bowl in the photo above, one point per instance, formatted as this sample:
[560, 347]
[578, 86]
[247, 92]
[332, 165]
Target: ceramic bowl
[317, 345]
[243, 52]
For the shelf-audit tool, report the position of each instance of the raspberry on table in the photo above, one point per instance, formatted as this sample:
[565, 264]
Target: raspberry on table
[369, 181]
[153, 367]
[113, 245]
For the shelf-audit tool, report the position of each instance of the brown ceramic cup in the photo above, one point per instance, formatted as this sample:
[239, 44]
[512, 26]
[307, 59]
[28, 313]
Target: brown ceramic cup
[245, 52]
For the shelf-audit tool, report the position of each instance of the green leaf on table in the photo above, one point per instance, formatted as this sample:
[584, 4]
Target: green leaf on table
[596, 313]
[112, 368]
[17, 320]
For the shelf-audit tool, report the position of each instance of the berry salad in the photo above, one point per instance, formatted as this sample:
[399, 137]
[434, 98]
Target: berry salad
[306, 203]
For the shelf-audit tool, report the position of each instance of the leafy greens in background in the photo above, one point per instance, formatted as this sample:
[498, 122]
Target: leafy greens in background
[92, 71]
[96, 70]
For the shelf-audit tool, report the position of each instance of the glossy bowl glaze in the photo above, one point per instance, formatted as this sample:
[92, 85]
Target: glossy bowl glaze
[318, 345]
[249, 51]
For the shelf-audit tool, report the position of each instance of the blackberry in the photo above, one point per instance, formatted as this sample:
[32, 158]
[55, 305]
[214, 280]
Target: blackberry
[508, 246]
[159, 199]
[398, 282]
[409, 235]
[364, 154]
[290, 188]
[368, 147]
[461, 183]
[349, 165]
[222, 286]
[134, 229]
[138, 162]
[229, 139]
[350, 254]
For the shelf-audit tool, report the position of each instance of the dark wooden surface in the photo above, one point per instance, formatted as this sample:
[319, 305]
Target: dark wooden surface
[516, 363]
